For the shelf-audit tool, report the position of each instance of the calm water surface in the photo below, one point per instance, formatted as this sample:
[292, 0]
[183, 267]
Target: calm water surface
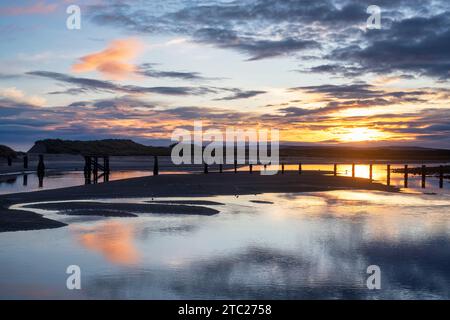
[311, 245]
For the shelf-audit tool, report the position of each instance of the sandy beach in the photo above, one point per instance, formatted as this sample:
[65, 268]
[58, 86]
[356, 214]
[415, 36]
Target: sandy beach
[191, 185]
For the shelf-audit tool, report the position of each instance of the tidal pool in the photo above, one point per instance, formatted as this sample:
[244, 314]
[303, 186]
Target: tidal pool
[283, 246]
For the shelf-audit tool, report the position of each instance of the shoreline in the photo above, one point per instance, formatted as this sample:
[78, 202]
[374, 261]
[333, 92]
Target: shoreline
[183, 185]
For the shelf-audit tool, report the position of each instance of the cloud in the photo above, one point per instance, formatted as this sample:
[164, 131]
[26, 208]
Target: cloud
[86, 84]
[41, 7]
[148, 70]
[113, 62]
[20, 97]
[242, 94]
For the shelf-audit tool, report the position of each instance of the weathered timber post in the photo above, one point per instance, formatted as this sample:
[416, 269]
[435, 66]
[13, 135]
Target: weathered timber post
[353, 170]
[25, 179]
[95, 169]
[441, 177]
[424, 174]
[220, 168]
[205, 170]
[25, 162]
[406, 176]
[105, 168]
[335, 170]
[235, 166]
[155, 166]
[300, 169]
[371, 172]
[388, 182]
[41, 171]
[87, 169]
[282, 168]
[250, 167]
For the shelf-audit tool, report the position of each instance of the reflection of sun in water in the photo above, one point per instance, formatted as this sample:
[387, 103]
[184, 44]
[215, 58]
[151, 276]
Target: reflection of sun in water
[362, 134]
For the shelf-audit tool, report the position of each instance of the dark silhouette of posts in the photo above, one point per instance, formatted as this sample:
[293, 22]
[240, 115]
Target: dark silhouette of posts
[155, 166]
[9, 161]
[353, 170]
[282, 168]
[424, 174]
[250, 168]
[300, 169]
[41, 171]
[335, 170]
[388, 178]
[441, 177]
[87, 169]
[25, 180]
[235, 166]
[371, 172]
[220, 168]
[406, 176]
[205, 169]
[25, 162]
[95, 170]
[106, 169]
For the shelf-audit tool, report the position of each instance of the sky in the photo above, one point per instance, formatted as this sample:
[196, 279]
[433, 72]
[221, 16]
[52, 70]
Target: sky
[311, 69]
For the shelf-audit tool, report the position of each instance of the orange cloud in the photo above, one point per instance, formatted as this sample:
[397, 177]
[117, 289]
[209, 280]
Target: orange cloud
[114, 61]
[39, 8]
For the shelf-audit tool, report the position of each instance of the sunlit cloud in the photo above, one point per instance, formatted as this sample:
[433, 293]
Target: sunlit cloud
[20, 97]
[115, 62]
[41, 7]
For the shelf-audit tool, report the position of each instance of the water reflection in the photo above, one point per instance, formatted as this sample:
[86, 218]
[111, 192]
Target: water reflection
[113, 239]
[291, 246]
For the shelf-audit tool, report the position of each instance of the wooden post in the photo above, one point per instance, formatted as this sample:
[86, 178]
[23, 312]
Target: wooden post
[265, 167]
[388, 182]
[235, 166]
[155, 166]
[282, 168]
[25, 179]
[220, 168]
[353, 170]
[9, 161]
[424, 174]
[300, 169]
[250, 167]
[371, 172]
[406, 176]
[335, 170]
[95, 169]
[25, 162]
[205, 168]
[41, 171]
[441, 177]
[87, 169]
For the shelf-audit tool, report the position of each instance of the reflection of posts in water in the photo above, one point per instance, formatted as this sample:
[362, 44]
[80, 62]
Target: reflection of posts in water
[388, 178]
[87, 170]
[9, 161]
[441, 177]
[406, 176]
[25, 179]
[25, 162]
[155, 166]
[371, 172]
[424, 172]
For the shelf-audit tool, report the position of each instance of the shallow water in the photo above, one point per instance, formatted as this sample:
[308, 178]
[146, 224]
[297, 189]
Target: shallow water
[311, 245]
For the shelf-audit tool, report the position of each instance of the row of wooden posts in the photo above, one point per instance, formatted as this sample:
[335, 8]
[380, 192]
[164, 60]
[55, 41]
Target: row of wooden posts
[388, 170]
[93, 167]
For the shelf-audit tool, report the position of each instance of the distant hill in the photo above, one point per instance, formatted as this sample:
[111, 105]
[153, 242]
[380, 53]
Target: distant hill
[7, 152]
[111, 147]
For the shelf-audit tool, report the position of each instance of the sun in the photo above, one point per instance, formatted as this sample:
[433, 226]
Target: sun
[362, 134]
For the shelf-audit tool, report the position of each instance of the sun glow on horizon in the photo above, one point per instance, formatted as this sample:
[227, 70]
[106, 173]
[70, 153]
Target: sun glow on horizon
[362, 134]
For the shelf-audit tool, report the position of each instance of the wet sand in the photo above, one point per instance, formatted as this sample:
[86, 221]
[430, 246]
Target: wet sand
[192, 185]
